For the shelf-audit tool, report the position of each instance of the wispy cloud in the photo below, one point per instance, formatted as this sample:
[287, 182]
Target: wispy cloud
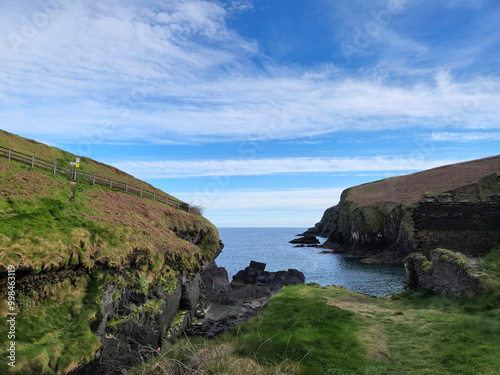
[464, 137]
[259, 167]
[175, 71]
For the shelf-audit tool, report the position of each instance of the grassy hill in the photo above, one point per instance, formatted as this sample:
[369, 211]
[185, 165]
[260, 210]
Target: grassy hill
[42, 228]
[382, 220]
[67, 242]
[409, 189]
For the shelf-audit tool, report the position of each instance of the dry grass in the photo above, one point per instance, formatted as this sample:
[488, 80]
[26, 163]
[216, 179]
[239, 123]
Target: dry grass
[206, 358]
[409, 189]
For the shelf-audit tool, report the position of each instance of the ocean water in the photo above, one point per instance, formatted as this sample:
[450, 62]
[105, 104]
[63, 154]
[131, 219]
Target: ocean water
[270, 246]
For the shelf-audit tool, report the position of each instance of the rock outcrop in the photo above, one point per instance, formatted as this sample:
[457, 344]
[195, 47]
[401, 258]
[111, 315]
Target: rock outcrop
[305, 239]
[444, 272]
[455, 207]
[471, 228]
[134, 326]
[255, 274]
[228, 305]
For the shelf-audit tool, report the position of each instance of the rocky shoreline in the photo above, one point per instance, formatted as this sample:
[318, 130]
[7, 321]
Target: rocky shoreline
[206, 305]
[229, 304]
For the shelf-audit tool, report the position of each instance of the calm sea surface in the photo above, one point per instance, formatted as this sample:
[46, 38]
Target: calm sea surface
[270, 246]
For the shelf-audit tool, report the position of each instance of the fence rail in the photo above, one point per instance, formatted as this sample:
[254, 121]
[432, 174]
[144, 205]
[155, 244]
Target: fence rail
[75, 174]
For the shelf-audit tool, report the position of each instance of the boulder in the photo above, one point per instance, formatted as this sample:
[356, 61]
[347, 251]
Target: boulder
[255, 274]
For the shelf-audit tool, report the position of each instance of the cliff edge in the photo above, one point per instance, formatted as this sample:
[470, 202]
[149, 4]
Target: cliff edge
[455, 206]
[97, 272]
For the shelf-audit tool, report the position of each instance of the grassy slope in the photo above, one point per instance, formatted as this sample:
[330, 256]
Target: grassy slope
[409, 189]
[308, 329]
[63, 158]
[42, 232]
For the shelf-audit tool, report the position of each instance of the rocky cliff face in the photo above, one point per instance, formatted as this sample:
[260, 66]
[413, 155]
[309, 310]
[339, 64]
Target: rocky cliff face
[382, 234]
[464, 218]
[444, 272]
[135, 324]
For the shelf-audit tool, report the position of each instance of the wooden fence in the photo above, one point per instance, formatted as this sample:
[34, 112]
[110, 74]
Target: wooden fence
[75, 175]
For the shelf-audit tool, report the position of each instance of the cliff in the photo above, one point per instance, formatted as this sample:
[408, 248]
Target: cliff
[454, 207]
[99, 273]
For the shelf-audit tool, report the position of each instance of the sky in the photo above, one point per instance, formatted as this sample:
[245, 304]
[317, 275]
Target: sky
[262, 112]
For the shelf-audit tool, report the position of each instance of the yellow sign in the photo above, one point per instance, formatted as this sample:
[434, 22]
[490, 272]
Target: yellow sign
[77, 165]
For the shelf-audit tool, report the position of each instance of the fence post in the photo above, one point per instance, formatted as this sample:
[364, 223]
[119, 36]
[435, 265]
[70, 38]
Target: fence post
[32, 162]
[141, 192]
[75, 173]
[166, 200]
[10, 151]
[189, 208]
[110, 183]
[178, 205]
[93, 179]
[154, 196]
[126, 188]
[55, 168]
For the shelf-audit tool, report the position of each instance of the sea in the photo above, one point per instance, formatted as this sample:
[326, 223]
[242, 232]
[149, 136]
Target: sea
[271, 246]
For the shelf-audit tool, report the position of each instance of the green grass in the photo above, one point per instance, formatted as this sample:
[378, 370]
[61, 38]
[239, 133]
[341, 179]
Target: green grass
[298, 326]
[55, 336]
[63, 158]
[308, 329]
[43, 231]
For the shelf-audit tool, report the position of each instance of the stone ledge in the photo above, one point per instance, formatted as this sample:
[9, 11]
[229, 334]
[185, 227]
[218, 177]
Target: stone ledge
[444, 272]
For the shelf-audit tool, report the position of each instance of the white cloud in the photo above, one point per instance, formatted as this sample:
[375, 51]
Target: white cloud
[464, 137]
[174, 71]
[259, 167]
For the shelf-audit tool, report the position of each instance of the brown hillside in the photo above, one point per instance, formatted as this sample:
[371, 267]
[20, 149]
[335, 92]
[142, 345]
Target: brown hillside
[408, 189]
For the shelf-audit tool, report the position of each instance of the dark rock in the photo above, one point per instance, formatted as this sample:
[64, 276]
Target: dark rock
[209, 298]
[256, 274]
[250, 289]
[469, 228]
[215, 279]
[307, 239]
[190, 293]
[444, 272]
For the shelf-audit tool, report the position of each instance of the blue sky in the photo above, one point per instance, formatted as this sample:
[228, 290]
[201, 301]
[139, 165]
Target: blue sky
[261, 111]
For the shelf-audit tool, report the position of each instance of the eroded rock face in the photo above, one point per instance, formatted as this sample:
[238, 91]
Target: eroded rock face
[131, 332]
[128, 335]
[235, 303]
[472, 228]
[444, 272]
[380, 234]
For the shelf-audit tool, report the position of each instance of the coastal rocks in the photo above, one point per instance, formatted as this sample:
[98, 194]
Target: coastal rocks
[444, 272]
[132, 326]
[387, 220]
[255, 274]
[305, 239]
[235, 303]
[135, 325]
[378, 234]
